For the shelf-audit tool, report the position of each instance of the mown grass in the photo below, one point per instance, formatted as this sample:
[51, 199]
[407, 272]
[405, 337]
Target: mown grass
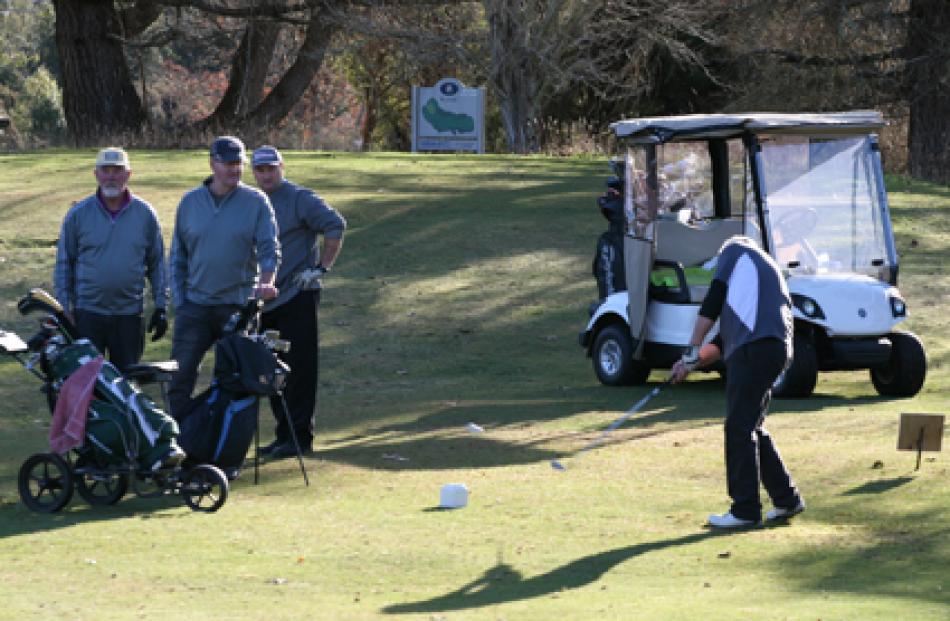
[461, 287]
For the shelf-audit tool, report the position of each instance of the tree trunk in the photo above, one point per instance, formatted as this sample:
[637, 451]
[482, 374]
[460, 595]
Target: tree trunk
[248, 74]
[511, 67]
[99, 98]
[928, 87]
[294, 83]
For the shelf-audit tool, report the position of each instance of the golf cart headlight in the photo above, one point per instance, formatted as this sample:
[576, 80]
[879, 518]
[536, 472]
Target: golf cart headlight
[897, 307]
[808, 307]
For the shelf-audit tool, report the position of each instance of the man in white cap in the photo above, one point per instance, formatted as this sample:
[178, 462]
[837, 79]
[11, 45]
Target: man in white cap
[302, 217]
[109, 244]
[224, 250]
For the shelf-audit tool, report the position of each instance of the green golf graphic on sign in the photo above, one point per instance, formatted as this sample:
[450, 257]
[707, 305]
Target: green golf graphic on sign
[447, 121]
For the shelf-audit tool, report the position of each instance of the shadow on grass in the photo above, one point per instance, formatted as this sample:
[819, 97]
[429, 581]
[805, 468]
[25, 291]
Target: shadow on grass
[403, 446]
[877, 487]
[16, 519]
[503, 583]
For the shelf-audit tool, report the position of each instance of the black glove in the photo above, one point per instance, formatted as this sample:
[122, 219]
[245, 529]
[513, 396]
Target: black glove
[158, 324]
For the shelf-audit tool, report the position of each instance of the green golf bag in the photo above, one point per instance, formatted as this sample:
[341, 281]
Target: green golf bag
[123, 425]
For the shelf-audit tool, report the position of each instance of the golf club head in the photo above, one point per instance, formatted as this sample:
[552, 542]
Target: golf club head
[39, 300]
[558, 465]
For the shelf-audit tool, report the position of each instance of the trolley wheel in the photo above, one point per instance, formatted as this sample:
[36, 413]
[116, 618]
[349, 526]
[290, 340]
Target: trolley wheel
[205, 488]
[102, 487]
[45, 482]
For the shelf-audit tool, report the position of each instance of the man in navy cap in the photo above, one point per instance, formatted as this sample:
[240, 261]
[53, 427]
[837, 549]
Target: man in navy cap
[224, 250]
[302, 217]
[109, 244]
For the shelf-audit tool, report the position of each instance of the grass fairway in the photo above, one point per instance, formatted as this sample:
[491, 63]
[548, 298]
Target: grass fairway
[458, 296]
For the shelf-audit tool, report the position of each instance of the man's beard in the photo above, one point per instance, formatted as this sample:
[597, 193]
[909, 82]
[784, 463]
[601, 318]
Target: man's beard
[111, 191]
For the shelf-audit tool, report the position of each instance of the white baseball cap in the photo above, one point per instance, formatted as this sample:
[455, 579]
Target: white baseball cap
[113, 156]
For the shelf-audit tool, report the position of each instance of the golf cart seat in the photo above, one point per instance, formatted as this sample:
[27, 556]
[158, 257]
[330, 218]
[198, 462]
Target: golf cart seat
[693, 244]
[672, 283]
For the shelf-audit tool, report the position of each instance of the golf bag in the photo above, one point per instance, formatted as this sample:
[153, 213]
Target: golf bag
[608, 266]
[219, 424]
[122, 424]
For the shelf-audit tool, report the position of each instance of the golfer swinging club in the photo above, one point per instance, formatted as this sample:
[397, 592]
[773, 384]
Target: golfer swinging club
[750, 298]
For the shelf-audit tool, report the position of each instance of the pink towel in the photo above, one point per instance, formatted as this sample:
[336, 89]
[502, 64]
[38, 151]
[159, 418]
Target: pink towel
[72, 407]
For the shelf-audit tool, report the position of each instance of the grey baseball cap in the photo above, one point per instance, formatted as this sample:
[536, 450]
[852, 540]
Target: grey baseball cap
[228, 149]
[266, 156]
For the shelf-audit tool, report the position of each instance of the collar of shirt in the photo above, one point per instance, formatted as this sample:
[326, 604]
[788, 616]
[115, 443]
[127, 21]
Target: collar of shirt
[126, 199]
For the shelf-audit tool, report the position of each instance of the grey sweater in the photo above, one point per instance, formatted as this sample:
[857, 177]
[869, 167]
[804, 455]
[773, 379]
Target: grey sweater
[301, 216]
[102, 264]
[218, 251]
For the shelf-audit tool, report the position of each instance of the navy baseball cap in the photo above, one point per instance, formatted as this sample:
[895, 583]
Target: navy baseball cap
[228, 149]
[266, 156]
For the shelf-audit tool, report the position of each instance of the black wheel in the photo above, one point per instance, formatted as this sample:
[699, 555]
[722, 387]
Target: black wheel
[799, 379]
[101, 487]
[45, 482]
[904, 374]
[612, 356]
[205, 488]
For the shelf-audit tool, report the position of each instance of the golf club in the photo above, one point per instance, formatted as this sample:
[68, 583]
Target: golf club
[558, 465]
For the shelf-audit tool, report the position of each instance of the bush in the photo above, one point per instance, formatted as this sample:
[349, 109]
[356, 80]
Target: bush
[39, 109]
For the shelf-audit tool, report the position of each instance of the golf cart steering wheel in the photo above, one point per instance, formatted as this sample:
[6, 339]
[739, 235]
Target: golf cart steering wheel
[795, 225]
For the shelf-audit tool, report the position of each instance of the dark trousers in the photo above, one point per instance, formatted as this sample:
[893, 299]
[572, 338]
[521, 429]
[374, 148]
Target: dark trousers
[122, 337]
[297, 322]
[751, 454]
[197, 327]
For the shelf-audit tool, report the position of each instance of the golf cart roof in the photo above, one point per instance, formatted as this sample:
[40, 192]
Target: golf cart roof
[657, 130]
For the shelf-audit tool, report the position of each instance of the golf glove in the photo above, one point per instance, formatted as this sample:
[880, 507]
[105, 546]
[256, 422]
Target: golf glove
[158, 324]
[690, 358]
[310, 277]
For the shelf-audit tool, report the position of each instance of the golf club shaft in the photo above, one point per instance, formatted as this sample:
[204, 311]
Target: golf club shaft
[636, 407]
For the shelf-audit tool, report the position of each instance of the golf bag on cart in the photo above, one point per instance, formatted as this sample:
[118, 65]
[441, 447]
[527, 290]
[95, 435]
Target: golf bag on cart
[220, 423]
[608, 266]
[122, 423]
[106, 435]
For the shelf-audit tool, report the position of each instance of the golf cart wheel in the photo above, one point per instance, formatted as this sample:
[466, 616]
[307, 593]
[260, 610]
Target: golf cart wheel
[612, 356]
[102, 488]
[799, 379]
[45, 482]
[205, 488]
[904, 374]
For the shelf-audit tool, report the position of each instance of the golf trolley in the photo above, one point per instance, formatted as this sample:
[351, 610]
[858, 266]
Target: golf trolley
[127, 442]
[809, 190]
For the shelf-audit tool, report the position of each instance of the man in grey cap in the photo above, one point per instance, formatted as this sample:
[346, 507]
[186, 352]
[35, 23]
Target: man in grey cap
[109, 244]
[302, 217]
[224, 251]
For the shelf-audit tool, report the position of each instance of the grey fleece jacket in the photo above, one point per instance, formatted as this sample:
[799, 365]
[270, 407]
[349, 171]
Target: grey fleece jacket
[301, 217]
[218, 251]
[102, 264]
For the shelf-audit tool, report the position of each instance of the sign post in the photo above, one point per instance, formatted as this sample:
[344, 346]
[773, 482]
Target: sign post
[448, 117]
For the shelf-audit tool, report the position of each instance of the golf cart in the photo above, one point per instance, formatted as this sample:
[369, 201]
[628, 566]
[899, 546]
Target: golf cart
[809, 189]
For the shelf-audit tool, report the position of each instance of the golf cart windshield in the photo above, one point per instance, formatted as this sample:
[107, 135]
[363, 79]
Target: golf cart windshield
[824, 209]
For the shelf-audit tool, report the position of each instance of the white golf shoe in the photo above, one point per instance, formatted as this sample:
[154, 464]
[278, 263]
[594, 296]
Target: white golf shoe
[782, 513]
[727, 520]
